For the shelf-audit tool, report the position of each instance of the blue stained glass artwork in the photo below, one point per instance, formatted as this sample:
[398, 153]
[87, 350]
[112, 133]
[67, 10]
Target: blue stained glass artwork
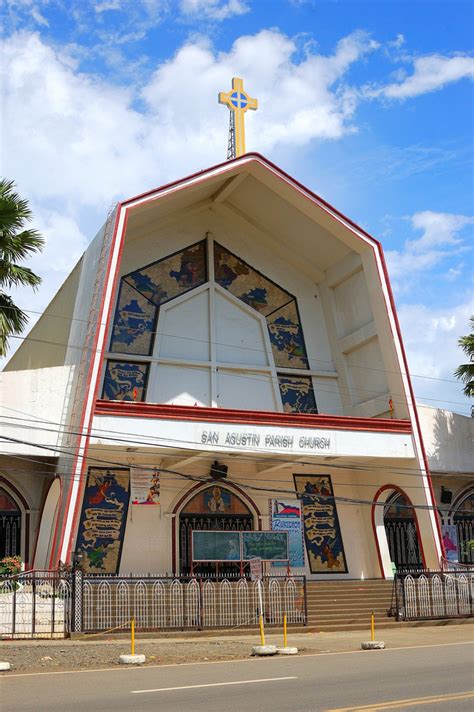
[125, 381]
[133, 324]
[286, 336]
[144, 284]
[322, 531]
[297, 394]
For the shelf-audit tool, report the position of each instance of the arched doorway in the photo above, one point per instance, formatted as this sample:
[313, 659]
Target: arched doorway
[214, 508]
[10, 525]
[402, 533]
[463, 519]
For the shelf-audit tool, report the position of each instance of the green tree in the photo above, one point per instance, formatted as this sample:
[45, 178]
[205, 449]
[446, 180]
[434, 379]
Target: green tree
[16, 244]
[465, 372]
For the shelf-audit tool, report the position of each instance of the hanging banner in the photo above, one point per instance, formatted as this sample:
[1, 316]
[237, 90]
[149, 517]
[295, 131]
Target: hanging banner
[103, 519]
[145, 485]
[285, 515]
[322, 532]
[450, 541]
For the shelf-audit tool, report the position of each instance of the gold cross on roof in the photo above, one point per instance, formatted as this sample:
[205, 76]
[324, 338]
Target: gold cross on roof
[239, 102]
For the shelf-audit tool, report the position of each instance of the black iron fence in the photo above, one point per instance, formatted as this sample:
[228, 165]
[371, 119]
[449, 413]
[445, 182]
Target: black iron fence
[426, 595]
[35, 604]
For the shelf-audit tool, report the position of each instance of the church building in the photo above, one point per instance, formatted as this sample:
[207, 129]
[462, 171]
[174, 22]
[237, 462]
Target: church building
[226, 355]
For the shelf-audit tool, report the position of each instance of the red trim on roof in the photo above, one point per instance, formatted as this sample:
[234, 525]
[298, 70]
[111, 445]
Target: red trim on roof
[129, 409]
[261, 159]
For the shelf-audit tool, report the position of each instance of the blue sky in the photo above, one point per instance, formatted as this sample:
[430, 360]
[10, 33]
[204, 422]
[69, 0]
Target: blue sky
[367, 103]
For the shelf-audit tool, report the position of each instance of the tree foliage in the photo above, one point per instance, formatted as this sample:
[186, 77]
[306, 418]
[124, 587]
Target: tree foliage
[16, 244]
[465, 372]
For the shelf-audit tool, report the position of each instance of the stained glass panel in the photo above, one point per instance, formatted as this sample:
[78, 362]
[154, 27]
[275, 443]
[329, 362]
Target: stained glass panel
[247, 284]
[286, 336]
[125, 381]
[174, 275]
[133, 325]
[297, 394]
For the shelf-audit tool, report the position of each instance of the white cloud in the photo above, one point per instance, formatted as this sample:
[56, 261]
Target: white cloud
[106, 5]
[213, 9]
[430, 337]
[430, 73]
[441, 238]
[81, 139]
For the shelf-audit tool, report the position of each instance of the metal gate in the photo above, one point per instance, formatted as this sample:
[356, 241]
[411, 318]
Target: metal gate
[465, 531]
[208, 522]
[403, 543]
[35, 604]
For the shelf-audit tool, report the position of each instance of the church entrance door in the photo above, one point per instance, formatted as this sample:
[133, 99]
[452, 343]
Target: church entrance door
[402, 534]
[10, 526]
[213, 509]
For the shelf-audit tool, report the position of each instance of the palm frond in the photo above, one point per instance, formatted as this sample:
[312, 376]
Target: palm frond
[12, 321]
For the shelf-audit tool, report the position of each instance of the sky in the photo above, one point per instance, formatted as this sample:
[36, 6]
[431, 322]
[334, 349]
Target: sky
[367, 102]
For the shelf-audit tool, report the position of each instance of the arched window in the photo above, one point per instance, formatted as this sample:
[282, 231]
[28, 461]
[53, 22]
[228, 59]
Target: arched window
[10, 526]
[214, 508]
[464, 521]
[202, 327]
[402, 534]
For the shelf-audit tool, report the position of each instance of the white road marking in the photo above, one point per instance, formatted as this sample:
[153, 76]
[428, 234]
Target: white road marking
[262, 661]
[214, 684]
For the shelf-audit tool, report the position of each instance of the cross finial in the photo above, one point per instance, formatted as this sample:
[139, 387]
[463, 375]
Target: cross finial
[238, 101]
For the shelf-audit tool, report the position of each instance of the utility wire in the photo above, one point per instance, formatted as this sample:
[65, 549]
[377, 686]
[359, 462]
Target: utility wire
[245, 486]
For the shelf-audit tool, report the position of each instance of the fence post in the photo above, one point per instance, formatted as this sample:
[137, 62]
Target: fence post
[305, 601]
[77, 600]
[201, 605]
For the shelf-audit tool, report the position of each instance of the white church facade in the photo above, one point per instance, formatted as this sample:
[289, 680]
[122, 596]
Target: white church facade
[225, 356]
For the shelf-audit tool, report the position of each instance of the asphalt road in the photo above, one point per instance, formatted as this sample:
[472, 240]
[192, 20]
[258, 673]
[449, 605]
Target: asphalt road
[436, 677]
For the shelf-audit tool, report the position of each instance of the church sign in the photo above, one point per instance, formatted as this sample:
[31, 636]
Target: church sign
[322, 532]
[285, 515]
[103, 519]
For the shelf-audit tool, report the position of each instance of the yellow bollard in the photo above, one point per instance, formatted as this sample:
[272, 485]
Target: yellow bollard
[372, 628]
[133, 637]
[284, 632]
[262, 632]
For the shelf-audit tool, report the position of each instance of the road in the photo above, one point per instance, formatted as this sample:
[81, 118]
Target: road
[434, 677]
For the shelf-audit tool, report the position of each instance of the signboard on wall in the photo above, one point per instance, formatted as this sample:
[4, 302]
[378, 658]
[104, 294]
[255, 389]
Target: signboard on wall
[322, 532]
[103, 519]
[145, 485]
[216, 546]
[285, 515]
[268, 546]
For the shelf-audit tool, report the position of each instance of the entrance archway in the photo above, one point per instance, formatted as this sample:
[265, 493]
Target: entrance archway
[10, 525]
[402, 533]
[463, 519]
[213, 508]
[396, 531]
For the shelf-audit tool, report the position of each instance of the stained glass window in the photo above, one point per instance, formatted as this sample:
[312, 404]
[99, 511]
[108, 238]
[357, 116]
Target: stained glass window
[142, 292]
[125, 381]
[297, 394]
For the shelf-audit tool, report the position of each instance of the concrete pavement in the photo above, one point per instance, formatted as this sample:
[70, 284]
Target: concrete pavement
[436, 677]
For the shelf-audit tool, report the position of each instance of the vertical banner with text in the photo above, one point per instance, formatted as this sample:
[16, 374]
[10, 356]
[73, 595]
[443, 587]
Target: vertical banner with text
[285, 515]
[103, 519]
[321, 524]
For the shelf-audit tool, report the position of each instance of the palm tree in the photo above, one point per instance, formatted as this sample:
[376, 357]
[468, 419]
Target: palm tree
[15, 245]
[465, 372]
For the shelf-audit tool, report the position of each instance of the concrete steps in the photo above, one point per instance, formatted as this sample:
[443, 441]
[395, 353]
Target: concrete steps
[348, 605]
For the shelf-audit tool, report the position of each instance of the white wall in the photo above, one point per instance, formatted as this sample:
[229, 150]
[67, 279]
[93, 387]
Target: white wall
[448, 439]
[33, 404]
